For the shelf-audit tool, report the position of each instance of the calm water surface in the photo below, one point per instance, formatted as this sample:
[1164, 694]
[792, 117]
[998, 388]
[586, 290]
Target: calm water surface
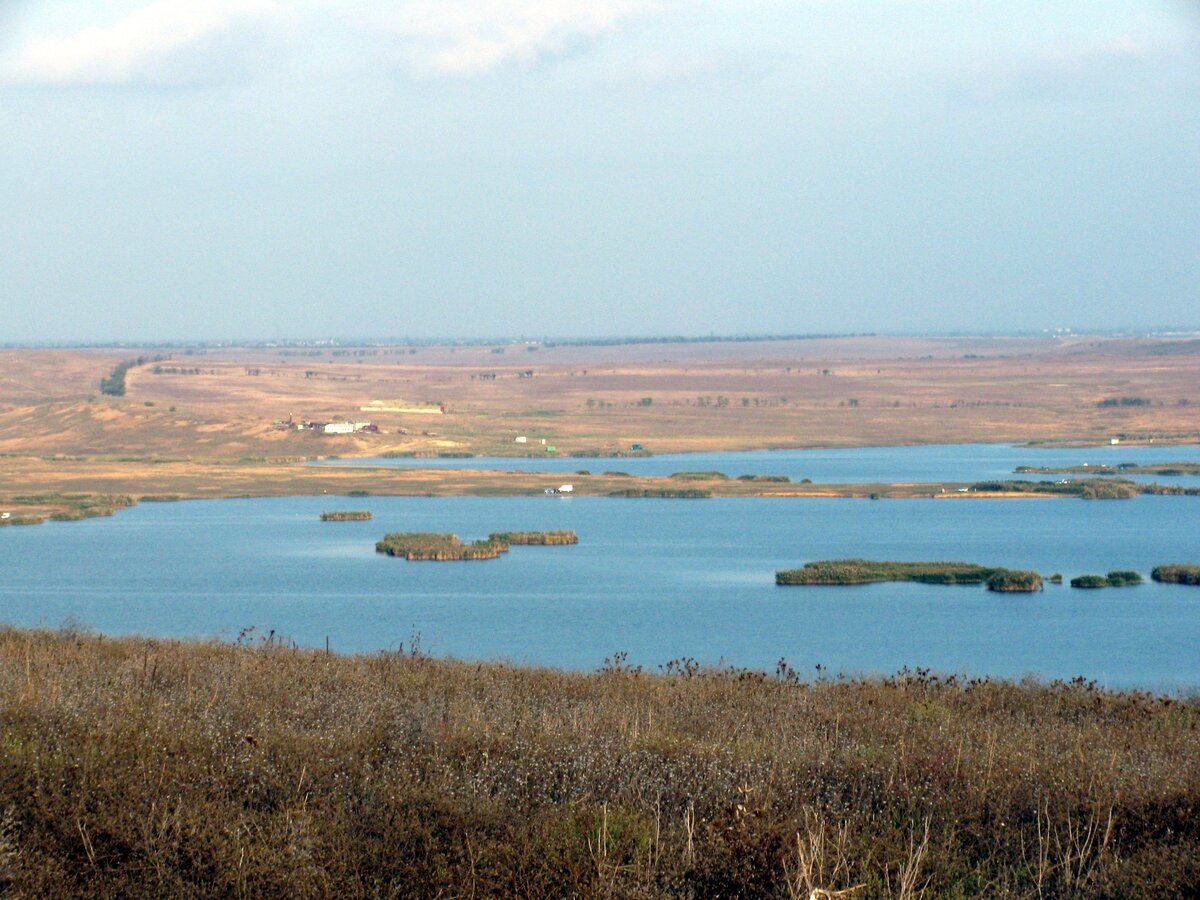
[657, 578]
[948, 462]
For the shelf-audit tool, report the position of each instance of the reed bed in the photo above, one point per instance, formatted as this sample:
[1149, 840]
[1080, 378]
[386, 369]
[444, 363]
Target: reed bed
[664, 493]
[137, 768]
[535, 538]
[866, 571]
[1176, 574]
[420, 545]
[1117, 578]
[1014, 581]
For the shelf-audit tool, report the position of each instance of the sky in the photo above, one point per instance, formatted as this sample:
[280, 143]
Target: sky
[275, 169]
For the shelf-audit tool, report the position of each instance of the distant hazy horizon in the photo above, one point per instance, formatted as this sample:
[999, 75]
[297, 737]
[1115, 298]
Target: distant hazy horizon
[258, 170]
[450, 340]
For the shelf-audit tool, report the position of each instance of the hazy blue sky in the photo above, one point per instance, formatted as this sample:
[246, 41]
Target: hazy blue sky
[280, 168]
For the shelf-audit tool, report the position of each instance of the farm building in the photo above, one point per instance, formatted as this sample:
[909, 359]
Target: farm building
[348, 427]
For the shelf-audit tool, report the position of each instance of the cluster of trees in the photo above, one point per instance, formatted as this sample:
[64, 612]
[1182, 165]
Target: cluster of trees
[114, 384]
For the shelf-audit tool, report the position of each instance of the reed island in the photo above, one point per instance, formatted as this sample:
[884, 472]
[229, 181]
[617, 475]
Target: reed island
[865, 571]
[1112, 579]
[353, 516]
[1176, 574]
[430, 546]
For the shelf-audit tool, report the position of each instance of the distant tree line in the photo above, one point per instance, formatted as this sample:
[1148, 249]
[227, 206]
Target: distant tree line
[114, 384]
[1123, 401]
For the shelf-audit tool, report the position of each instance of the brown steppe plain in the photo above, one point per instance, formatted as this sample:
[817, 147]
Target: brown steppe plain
[202, 422]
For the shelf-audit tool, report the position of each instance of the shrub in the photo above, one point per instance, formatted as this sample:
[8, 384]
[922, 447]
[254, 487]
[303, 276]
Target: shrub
[1089, 581]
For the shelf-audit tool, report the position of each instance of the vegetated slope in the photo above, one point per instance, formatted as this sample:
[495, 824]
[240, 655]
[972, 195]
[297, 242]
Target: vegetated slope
[146, 769]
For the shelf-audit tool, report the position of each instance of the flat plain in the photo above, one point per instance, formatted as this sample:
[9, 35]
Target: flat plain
[211, 421]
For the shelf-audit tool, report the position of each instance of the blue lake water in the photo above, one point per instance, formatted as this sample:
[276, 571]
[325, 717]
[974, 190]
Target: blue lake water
[656, 578]
[946, 462]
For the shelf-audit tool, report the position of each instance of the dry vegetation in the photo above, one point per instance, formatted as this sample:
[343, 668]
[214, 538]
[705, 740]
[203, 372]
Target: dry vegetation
[207, 417]
[140, 768]
[221, 403]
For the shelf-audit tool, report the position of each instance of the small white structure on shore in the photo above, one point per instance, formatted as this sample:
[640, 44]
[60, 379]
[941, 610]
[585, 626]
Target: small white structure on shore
[1115, 441]
[521, 440]
[567, 489]
[346, 427]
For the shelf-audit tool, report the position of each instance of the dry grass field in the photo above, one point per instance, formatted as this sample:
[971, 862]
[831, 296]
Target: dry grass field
[134, 768]
[186, 419]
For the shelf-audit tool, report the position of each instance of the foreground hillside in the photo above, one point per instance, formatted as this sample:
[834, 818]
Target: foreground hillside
[142, 768]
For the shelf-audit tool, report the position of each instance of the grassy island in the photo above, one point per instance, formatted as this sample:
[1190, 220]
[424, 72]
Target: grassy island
[700, 476]
[423, 545]
[865, 571]
[1123, 578]
[1112, 579]
[152, 768]
[664, 493]
[1014, 581]
[535, 538]
[1167, 470]
[1176, 574]
[352, 516]
[1086, 489]
[35, 509]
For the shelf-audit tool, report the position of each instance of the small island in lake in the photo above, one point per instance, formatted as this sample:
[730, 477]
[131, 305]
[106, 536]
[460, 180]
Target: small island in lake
[1176, 574]
[1086, 489]
[1014, 581]
[423, 545]
[535, 538]
[353, 516]
[664, 493]
[1112, 579]
[864, 571]
[1168, 470]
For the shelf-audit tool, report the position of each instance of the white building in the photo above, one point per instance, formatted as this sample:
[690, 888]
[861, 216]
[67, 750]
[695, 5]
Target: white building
[567, 489]
[521, 440]
[346, 427]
